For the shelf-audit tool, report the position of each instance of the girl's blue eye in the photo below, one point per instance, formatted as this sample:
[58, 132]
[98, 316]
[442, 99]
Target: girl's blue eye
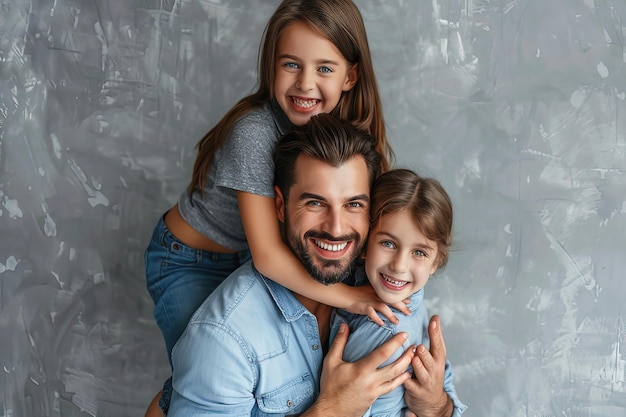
[326, 70]
[419, 253]
[291, 65]
[388, 244]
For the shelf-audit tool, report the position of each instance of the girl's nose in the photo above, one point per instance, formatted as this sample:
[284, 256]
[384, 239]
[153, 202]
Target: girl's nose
[305, 82]
[398, 263]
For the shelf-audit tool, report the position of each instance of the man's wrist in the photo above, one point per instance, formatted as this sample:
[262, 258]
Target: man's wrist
[320, 408]
[326, 408]
[444, 407]
[447, 410]
[449, 407]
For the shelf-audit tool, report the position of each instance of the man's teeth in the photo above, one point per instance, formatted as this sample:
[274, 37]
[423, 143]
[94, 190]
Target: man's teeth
[393, 281]
[307, 104]
[332, 248]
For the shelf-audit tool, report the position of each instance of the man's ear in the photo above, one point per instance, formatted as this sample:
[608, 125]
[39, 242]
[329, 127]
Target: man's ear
[280, 204]
[352, 78]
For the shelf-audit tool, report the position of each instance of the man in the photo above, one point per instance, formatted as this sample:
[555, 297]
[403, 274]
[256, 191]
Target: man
[255, 348]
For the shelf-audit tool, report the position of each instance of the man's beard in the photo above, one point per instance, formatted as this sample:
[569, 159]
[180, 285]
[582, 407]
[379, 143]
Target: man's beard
[332, 271]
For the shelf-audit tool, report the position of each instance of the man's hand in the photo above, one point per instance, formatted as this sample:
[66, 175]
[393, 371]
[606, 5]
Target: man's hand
[348, 389]
[424, 394]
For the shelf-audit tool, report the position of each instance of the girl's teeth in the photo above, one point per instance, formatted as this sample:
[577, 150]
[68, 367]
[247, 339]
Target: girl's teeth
[307, 104]
[394, 282]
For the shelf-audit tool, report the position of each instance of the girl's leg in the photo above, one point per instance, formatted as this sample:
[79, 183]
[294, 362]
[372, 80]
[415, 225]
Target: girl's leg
[179, 278]
[153, 408]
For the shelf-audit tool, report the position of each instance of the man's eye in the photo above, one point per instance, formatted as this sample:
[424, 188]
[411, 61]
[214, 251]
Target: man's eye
[355, 205]
[315, 203]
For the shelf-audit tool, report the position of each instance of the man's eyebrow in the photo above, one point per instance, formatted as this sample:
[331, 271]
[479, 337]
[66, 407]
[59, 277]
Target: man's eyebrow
[360, 197]
[311, 196]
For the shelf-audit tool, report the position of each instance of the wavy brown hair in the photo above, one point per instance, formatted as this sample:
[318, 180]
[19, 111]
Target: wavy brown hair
[426, 200]
[327, 139]
[340, 22]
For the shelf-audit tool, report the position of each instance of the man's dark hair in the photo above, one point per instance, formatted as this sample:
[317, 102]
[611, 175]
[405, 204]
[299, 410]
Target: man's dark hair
[327, 139]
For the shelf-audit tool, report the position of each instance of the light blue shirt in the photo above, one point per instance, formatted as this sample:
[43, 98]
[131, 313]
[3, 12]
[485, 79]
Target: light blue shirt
[251, 349]
[365, 336]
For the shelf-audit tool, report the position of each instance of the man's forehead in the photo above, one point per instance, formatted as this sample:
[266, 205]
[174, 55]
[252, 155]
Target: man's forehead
[315, 176]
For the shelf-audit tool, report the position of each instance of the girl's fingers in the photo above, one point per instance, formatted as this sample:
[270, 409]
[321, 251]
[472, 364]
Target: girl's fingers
[383, 309]
[402, 306]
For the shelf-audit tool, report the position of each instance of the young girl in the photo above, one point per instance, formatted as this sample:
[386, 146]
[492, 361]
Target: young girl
[410, 233]
[314, 59]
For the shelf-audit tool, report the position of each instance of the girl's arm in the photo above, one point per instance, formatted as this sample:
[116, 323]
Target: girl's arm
[273, 258]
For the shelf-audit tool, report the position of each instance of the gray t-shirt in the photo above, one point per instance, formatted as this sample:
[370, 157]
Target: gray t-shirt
[243, 163]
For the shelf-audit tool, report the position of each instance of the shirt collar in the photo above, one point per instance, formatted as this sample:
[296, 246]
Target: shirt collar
[283, 124]
[286, 302]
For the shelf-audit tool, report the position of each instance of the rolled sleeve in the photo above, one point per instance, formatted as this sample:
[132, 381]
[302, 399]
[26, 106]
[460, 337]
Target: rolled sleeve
[210, 380]
[448, 386]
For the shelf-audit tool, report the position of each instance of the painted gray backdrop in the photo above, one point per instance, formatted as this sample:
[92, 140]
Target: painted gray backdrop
[516, 106]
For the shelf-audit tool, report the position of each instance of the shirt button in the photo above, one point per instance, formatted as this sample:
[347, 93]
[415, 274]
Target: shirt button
[289, 403]
[315, 347]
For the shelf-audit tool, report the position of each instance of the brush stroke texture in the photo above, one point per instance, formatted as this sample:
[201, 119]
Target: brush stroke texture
[516, 106]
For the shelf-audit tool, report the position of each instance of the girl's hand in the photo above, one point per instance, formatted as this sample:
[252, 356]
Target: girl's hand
[366, 302]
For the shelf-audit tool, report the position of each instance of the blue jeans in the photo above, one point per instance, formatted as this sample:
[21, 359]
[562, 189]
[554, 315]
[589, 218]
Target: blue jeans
[179, 278]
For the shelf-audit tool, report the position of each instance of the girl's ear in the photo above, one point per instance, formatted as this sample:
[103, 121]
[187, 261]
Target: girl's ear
[433, 269]
[352, 78]
[436, 264]
[280, 204]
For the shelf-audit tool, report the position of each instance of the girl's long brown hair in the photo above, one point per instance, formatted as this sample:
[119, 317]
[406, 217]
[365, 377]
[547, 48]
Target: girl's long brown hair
[340, 22]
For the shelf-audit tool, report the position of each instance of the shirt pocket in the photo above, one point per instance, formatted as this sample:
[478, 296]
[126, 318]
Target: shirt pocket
[293, 397]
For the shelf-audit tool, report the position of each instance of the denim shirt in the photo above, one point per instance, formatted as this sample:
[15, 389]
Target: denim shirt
[251, 349]
[365, 336]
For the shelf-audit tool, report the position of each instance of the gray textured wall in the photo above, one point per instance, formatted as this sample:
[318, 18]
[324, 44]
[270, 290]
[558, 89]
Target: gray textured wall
[516, 106]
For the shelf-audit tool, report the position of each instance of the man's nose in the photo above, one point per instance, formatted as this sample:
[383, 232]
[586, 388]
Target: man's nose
[334, 224]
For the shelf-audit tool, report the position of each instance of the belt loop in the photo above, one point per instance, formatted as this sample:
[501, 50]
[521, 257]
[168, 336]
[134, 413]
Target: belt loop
[163, 233]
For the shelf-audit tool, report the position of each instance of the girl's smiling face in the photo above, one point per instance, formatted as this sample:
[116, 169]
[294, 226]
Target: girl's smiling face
[399, 258]
[311, 73]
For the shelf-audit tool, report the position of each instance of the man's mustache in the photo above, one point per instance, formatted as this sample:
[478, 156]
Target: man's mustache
[312, 234]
